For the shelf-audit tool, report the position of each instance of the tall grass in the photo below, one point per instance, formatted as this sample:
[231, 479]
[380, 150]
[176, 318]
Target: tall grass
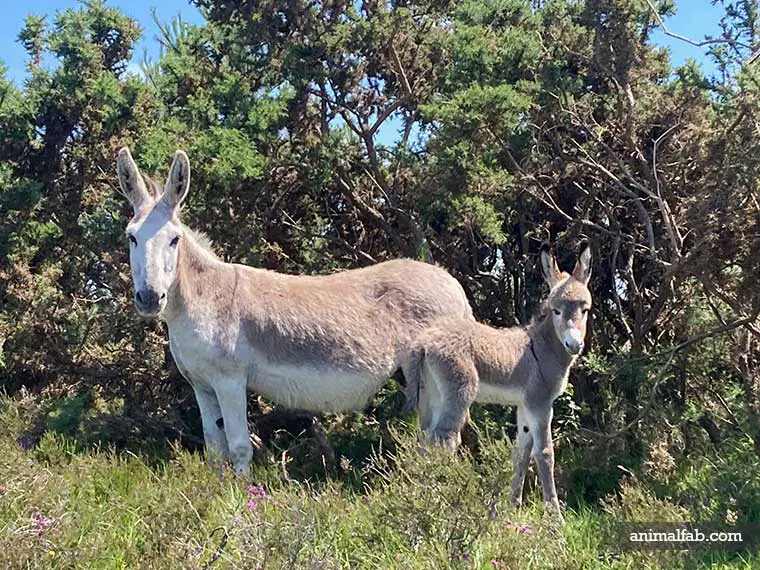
[66, 506]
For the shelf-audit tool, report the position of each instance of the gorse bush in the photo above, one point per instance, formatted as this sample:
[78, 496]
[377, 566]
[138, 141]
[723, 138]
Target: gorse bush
[333, 135]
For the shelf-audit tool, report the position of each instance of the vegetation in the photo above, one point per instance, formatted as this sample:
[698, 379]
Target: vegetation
[518, 121]
[64, 508]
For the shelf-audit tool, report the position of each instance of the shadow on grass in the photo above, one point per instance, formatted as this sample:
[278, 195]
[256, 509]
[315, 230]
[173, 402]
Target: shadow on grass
[313, 449]
[149, 431]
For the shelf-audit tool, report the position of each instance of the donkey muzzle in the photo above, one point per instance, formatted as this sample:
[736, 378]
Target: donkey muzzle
[573, 341]
[148, 302]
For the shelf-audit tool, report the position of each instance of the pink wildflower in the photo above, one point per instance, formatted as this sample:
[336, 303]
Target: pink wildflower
[256, 493]
[524, 528]
[41, 523]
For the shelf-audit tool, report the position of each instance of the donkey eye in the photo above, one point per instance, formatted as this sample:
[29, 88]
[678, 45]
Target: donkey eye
[174, 242]
[557, 312]
[132, 239]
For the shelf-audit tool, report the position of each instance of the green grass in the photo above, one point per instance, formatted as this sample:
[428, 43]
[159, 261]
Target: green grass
[389, 509]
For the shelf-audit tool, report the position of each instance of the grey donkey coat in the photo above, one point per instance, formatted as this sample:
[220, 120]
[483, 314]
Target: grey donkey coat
[456, 362]
[321, 343]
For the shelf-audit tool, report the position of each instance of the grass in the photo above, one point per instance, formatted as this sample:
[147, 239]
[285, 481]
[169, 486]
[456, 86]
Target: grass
[67, 506]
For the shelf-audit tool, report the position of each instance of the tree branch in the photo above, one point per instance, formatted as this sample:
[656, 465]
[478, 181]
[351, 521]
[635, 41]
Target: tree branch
[705, 42]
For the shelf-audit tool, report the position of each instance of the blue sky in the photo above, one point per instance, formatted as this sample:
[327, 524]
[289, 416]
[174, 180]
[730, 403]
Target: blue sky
[694, 19]
[14, 12]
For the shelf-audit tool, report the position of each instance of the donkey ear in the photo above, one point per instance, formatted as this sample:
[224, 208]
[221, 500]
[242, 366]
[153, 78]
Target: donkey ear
[131, 182]
[582, 271]
[178, 182]
[549, 268]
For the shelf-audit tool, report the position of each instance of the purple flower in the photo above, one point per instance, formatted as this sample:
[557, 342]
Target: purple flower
[40, 522]
[256, 493]
[25, 442]
[524, 528]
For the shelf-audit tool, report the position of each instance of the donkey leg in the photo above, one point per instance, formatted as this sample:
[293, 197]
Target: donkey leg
[428, 399]
[520, 456]
[447, 431]
[425, 404]
[231, 393]
[213, 426]
[457, 385]
[539, 422]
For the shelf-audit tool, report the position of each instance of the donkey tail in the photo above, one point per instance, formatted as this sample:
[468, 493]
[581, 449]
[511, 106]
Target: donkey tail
[413, 375]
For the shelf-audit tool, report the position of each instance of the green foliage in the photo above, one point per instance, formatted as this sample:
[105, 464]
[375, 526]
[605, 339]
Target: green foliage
[481, 216]
[65, 416]
[518, 122]
[722, 488]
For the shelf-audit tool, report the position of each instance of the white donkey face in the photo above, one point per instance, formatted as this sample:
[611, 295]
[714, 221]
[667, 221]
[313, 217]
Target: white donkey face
[154, 232]
[153, 241]
[569, 298]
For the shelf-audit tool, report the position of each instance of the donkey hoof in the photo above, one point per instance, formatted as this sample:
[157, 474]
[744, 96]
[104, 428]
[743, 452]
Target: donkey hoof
[241, 468]
[242, 471]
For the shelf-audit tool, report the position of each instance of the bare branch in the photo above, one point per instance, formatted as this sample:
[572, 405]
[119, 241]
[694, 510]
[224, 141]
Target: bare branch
[613, 281]
[406, 86]
[675, 235]
[731, 302]
[353, 196]
[729, 326]
[643, 214]
[705, 42]
[387, 112]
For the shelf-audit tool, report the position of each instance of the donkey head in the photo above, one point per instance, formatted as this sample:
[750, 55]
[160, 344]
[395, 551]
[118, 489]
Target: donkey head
[154, 231]
[569, 298]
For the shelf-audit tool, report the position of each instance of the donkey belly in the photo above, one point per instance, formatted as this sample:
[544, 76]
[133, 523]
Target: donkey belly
[319, 390]
[494, 394]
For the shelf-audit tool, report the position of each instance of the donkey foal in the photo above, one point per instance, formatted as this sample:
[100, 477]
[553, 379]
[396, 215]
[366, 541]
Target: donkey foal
[456, 362]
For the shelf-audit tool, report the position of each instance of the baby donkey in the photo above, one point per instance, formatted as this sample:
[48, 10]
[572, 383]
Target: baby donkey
[457, 362]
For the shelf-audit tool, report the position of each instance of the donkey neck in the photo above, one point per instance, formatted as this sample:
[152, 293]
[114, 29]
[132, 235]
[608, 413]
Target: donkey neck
[553, 360]
[196, 269]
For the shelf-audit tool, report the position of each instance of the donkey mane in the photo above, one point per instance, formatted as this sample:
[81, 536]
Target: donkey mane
[156, 189]
[201, 239]
[539, 315]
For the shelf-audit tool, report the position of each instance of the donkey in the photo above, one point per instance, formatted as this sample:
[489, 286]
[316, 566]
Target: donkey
[456, 362]
[318, 343]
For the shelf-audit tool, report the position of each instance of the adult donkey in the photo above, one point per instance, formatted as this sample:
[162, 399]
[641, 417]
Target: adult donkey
[319, 343]
[457, 361]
